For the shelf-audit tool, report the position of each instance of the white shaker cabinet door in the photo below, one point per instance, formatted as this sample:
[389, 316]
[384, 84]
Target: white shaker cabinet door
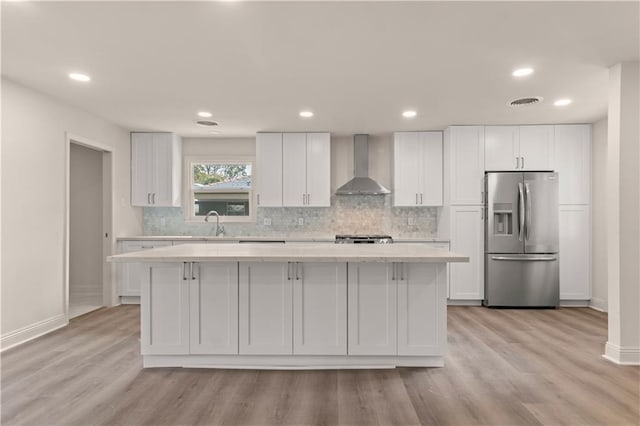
[320, 308]
[501, 147]
[575, 252]
[407, 169]
[464, 164]
[536, 148]
[372, 309]
[466, 280]
[213, 298]
[269, 169]
[431, 153]
[294, 169]
[318, 170]
[142, 169]
[422, 314]
[165, 309]
[265, 308]
[573, 163]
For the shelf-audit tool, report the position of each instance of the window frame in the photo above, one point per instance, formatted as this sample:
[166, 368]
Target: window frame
[189, 198]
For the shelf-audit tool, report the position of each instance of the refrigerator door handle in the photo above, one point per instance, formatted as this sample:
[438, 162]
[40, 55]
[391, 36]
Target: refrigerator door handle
[528, 212]
[526, 259]
[520, 211]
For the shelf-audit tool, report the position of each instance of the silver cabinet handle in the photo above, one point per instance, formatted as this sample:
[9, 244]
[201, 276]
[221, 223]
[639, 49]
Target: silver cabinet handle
[526, 259]
[258, 199]
[153, 198]
[184, 271]
[288, 271]
[308, 199]
[517, 162]
[193, 276]
[416, 198]
[304, 199]
[148, 198]
[298, 268]
[522, 160]
[393, 271]
[421, 198]
[528, 203]
[520, 211]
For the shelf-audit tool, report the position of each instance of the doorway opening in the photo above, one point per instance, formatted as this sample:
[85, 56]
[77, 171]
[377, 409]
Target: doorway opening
[88, 283]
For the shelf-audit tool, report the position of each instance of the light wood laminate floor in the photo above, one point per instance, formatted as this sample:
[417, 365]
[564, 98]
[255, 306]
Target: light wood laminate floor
[504, 367]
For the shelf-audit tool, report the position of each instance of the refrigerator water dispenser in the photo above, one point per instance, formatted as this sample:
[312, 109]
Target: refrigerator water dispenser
[502, 219]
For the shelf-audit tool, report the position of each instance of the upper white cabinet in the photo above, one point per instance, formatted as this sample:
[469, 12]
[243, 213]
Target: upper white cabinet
[519, 148]
[306, 170]
[573, 163]
[294, 169]
[463, 165]
[269, 169]
[417, 169]
[156, 160]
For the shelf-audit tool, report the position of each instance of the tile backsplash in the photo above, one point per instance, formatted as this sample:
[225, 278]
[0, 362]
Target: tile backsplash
[347, 215]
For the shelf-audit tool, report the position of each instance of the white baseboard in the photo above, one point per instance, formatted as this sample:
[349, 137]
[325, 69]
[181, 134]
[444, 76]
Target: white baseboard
[129, 300]
[32, 331]
[620, 355]
[598, 304]
[574, 303]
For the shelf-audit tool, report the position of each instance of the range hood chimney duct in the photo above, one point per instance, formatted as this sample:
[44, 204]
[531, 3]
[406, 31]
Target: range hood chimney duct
[361, 184]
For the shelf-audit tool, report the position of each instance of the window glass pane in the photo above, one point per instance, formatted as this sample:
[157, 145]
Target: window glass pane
[225, 188]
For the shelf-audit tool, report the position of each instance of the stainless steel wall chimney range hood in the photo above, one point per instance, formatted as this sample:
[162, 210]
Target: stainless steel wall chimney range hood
[361, 184]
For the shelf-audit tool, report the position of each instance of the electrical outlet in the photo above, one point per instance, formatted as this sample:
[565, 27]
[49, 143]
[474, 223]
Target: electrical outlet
[267, 221]
[300, 221]
[411, 221]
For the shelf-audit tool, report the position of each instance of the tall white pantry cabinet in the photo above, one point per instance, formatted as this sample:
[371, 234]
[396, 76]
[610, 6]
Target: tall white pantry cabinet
[469, 151]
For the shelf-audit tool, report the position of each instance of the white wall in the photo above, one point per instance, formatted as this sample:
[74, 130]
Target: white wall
[33, 161]
[599, 215]
[85, 221]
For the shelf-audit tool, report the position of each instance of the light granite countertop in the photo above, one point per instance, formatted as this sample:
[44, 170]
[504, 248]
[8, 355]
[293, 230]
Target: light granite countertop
[328, 238]
[309, 252]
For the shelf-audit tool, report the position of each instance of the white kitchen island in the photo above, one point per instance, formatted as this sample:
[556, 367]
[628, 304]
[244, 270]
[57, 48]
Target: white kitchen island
[296, 306]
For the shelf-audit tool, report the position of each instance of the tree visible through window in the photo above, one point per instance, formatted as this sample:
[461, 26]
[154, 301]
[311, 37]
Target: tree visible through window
[225, 188]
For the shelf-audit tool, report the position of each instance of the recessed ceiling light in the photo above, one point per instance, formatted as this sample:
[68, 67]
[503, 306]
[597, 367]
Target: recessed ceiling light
[522, 72]
[562, 102]
[306, 114]
[409, 114]
[79, 77]
[204, 114]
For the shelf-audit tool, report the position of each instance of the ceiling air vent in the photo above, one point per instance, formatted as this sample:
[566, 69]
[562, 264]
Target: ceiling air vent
[524, 101]
[206, 123]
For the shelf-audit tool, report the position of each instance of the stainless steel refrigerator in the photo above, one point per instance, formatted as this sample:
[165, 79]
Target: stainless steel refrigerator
[521, 239]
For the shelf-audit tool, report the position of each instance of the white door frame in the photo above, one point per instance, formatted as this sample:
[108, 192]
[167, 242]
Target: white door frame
[108, 287]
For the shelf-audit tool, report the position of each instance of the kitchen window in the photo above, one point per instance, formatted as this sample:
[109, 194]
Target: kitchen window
[222, 185]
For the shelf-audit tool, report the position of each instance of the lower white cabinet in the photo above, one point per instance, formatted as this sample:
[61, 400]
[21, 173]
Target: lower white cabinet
[466, 280]
[319, 308]
[165, 309]
[575, 252]
[265, 308]
[130, 274]
[422, 314]
[213, 306]
[372, 308]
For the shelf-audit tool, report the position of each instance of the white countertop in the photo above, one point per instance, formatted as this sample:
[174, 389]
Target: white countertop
[303, 252]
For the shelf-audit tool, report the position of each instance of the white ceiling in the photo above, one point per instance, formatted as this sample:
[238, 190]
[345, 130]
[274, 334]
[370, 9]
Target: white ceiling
[357, 65]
